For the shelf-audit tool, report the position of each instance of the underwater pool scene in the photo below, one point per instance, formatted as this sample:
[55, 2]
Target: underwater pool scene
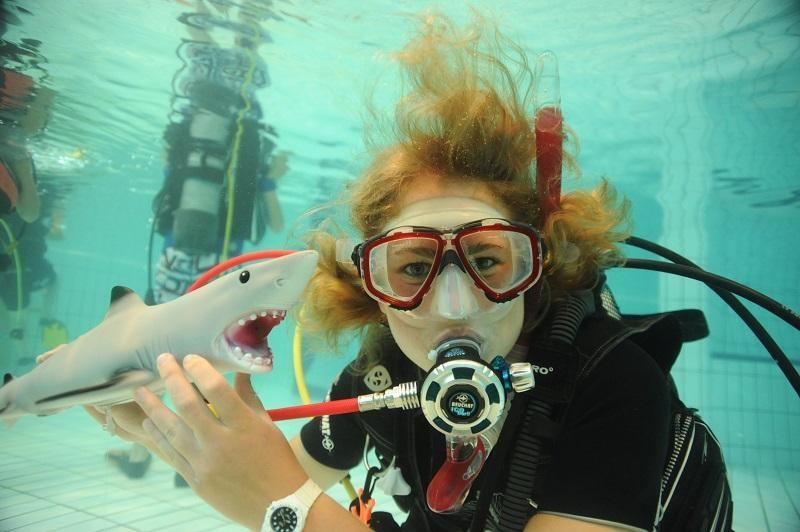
[689, 108]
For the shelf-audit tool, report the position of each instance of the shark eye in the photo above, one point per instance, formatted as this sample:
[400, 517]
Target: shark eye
[244, 277]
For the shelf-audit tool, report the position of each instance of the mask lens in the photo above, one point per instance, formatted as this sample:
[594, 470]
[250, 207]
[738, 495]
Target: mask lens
[400, 267]
[502, 259]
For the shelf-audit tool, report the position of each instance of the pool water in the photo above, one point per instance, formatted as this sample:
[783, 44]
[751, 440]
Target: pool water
[690, 108]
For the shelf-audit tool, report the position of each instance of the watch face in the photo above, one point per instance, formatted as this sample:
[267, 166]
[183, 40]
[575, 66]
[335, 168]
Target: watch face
[283, 519]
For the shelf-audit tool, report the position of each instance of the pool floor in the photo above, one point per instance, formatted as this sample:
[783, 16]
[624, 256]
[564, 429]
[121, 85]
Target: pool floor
[53, 476]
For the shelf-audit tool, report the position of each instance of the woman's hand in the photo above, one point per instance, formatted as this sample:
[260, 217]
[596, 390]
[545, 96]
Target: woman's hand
[238, 462]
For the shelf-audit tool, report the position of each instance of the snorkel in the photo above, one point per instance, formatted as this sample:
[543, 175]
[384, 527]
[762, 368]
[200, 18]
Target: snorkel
[548, 127]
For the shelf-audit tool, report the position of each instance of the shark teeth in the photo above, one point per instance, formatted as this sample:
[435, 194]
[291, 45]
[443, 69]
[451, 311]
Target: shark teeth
[247, 339]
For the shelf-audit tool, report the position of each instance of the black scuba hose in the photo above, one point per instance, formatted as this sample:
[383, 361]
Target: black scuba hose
[769, 304]
[722, 287]
[523, 466]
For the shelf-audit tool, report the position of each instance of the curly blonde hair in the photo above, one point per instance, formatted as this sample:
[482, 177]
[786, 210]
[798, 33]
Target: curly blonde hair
[466, 116]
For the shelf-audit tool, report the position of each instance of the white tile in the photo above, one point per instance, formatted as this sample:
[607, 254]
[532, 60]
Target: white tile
[93, 525]
[65, 486]
[9, 498]
[24, 480]
[748, 513]
[791, 483]
[34, 517]
[115, 510]
[72, 520]
[781, 508]
[225, 527]
[88, 502]
[143, 509]
[781, 526]
[172, 519]
[13, 508]
[205, 524]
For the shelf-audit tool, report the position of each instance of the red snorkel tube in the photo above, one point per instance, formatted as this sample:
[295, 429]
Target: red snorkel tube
[548, 127]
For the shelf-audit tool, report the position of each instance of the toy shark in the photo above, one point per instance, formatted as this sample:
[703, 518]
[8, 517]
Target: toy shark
[227, 322]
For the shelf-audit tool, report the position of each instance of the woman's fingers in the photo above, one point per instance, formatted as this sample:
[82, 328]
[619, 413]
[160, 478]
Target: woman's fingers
[102, 417]
[98, 416]
[167, 451]
[121, 428]
[244, 389]
[128, 418]
[232, 411]
[171, 428]
[188, 403]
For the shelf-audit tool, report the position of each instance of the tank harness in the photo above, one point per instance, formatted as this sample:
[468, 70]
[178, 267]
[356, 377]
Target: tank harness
[208, 184]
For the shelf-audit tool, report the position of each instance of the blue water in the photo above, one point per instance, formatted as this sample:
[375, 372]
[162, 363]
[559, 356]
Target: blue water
[689, 108]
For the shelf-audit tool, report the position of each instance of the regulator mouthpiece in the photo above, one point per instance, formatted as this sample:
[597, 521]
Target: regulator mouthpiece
[461, 397]
[461, 347]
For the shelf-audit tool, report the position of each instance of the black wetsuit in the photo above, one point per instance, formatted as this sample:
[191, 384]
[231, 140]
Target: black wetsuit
[606, 464]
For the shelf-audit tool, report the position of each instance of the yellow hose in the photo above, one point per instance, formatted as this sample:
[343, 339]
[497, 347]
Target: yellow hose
[12, 248]
[230, 172]
[297, 359]
[348, 487]
[302, 389]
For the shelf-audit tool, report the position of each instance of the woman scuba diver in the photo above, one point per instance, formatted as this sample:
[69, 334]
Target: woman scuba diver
[464, 269]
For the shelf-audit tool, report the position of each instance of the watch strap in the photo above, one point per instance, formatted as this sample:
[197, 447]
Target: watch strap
[308, 493]
[300, 502]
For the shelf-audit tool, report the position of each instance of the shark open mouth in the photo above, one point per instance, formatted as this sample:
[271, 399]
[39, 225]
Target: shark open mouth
[247, 339]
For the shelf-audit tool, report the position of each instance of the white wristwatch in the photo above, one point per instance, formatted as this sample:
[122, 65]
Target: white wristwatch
[289, 514]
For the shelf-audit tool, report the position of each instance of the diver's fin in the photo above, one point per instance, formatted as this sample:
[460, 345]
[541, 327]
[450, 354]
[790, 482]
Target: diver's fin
[105, 393]
[122, 299]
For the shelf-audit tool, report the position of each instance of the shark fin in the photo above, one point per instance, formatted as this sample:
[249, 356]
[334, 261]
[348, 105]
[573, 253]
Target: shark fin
[118, 389]
[5, 406]
[122, 299]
